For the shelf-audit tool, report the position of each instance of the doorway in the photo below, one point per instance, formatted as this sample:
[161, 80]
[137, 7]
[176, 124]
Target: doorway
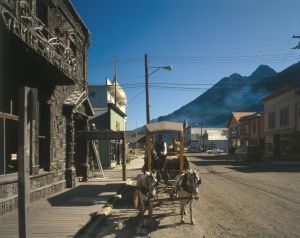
[44, 136]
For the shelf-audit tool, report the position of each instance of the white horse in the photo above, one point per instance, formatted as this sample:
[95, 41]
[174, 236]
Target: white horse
[187, 185]
[145, 190]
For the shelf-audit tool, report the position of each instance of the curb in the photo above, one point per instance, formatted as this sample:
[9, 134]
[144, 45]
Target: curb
[100, 216]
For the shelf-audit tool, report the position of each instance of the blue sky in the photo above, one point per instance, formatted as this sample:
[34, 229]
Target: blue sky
[204, 41]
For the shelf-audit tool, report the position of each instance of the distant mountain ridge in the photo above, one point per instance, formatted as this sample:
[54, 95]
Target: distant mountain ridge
[234, 93]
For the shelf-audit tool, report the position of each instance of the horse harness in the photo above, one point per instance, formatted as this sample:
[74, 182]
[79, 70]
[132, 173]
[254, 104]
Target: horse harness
[145, 189]
[184, 184]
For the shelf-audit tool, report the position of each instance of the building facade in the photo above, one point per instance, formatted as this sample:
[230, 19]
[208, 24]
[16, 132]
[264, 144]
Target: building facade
[109, 102]
[282, 123]
[214, 138]
[206, 138]
[233, 126]
[251, 130]
[43, 45]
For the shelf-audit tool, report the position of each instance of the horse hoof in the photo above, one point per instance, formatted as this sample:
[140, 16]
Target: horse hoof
[193, 223]
[182, 221]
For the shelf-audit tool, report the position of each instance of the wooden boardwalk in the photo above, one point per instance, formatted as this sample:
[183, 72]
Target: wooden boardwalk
[64, 213]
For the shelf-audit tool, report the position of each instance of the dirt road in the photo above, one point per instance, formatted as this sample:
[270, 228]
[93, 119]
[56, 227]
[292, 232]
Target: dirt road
[237, 199]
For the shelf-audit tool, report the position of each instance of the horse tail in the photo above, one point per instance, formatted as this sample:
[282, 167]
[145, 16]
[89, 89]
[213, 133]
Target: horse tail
[136, 199]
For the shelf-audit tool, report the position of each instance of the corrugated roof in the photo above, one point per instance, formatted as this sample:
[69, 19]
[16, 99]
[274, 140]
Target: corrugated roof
[198, 130]
[216, 134]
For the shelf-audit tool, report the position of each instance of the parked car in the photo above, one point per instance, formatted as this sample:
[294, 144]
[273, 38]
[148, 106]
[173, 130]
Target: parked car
[192, 149]
[215, 151]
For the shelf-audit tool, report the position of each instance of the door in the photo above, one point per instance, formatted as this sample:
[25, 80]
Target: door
[44, 136]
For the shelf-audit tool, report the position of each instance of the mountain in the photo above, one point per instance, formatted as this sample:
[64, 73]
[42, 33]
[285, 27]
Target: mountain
[234, 93]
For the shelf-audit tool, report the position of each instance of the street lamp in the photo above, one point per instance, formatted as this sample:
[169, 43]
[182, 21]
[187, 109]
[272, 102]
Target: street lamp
[169, 68]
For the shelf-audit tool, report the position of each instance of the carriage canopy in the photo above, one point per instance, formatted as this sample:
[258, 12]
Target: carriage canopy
[164, 127]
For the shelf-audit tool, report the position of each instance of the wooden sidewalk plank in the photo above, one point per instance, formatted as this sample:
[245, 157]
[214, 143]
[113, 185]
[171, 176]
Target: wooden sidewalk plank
[62, 214]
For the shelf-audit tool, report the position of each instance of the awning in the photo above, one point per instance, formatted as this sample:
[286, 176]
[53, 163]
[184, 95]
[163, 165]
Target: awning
[76, 99]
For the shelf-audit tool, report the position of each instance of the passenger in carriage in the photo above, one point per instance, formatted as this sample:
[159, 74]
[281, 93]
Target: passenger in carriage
[159, 151]
[174, 148]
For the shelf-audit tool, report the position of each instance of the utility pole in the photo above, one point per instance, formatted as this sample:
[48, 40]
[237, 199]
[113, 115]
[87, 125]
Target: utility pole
[115, 79]
[201, 141]
[147, 90]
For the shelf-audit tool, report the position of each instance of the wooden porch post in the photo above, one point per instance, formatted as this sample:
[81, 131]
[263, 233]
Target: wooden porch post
[23, 161]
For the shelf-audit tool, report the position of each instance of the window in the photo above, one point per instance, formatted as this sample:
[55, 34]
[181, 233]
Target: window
[284, 117]
[247, 129]
[233, 131]
[271, 120]
[92, 95]
[242, 129]
[117, 126]
[254, 127]
[73, 47]
[42, 12]
[8, 146]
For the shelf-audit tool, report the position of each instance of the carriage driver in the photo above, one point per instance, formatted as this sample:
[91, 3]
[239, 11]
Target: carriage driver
[159, 151]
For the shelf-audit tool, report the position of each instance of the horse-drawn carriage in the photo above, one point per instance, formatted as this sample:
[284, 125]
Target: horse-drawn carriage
[174, 182]
[175, 162]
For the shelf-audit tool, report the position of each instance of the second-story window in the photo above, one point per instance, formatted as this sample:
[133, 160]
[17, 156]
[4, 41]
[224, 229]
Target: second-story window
[41, 12]
[247, 130]
[117, 126]
[284, 117]
[254, 127]
[242, 129]
[73, 47]
[271, 120]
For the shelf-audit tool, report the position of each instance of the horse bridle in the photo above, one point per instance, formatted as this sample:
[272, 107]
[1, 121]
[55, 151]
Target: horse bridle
[145, 190]
[191, 178]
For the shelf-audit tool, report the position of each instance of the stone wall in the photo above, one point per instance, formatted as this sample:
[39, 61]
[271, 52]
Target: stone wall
[40, 187]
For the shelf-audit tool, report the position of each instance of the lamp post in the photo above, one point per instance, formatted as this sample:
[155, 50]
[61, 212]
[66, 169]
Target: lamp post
[169, 68]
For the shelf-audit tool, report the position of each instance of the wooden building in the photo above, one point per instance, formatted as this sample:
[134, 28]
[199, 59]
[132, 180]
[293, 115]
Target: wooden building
[43, 46]
[282, 123]
[109, 102]
[235, 131]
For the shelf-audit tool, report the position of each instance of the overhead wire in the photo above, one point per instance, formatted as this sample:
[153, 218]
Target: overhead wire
[194, 60]
[200, 59]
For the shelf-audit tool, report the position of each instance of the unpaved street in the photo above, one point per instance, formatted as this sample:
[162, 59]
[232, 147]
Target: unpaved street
[237, 199]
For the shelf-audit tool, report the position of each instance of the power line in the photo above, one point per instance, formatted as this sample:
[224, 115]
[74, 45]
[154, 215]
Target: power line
[203, 60]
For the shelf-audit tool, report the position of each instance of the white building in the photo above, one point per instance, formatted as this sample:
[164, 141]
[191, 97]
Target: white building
[206, 138]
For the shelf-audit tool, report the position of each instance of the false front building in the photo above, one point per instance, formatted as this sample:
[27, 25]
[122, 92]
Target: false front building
[109, 102]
